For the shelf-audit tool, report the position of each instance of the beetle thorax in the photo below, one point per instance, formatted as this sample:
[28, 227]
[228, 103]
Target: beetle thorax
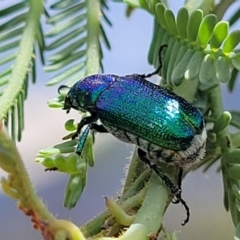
[85, 93]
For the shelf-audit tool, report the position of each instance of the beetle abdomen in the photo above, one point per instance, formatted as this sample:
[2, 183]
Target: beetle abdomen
[184, 158]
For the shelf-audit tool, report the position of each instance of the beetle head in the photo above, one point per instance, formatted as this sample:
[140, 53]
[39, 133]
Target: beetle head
[84, 94]
[69, 99]
[67, 104]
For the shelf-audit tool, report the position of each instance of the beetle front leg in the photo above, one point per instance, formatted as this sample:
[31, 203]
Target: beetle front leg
[98, 128]
[82, 140]
[83, 137]
[85, 121]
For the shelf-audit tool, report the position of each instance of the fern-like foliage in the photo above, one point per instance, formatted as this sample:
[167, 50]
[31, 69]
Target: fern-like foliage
[199, 48]
[76, 34]
[19, 31]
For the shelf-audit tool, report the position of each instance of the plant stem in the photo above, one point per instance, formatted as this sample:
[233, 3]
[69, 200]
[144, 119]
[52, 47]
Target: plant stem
[93, 30]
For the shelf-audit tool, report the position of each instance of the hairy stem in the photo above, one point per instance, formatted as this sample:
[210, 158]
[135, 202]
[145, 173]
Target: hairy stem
[93, 30]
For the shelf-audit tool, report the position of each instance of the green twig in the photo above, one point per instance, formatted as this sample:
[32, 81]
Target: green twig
[18, 186]
[93, 31]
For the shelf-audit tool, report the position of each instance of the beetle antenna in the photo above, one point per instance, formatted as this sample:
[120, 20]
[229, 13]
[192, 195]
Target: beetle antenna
[62, 87]
[160, 63]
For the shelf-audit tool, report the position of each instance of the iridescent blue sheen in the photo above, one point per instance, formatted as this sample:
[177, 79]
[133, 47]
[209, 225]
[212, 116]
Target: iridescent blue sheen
[134, 105]
[151, 112]
[84, 94]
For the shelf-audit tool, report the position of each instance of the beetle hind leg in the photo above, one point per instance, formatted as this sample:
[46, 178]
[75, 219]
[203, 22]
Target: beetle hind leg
[158, 171]
[180, 174]
[176, 191]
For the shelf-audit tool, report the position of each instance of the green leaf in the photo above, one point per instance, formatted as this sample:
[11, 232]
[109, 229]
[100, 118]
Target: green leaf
[66, 13]
[156, 30]
[74, 189]
[232, 81]
[206, 70]
[60, 64]
[222, 122]
[171, 62]
[67, 38]
[170, 21]
[160, 15]
[104, 37]
[17, 20]
[88, 153]
[182, 22]
[63, 4]
[231, 41]
[54, 104]
[41, 43]
[66, 25]
[66, 52]
[8, 58]
[9, 46]
[12, 9]
[234, 171]
[20, 114]
[5, 73]
[3, 81]
[222, 68]
[161, 39]
[206, 29]
[193, 67]
[193, 25]
[13, 126]
[137, 3]
[70, 126]
[220, 33]
[10, 34]
[106, 19]
[166, 58]
[179, 71]
[236, 64]
[233, 156]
